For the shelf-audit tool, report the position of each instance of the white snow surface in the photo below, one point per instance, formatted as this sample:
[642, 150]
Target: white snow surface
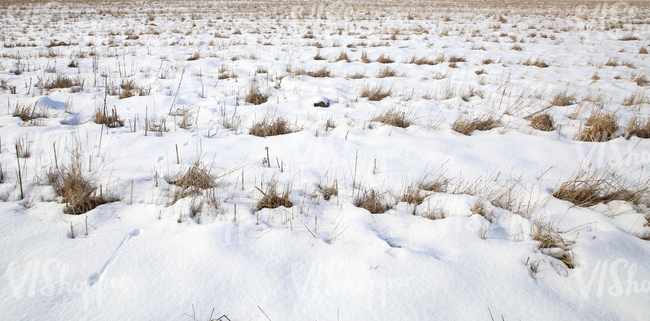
[146, 257]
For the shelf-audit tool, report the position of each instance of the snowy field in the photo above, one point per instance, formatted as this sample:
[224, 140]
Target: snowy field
[278, 160]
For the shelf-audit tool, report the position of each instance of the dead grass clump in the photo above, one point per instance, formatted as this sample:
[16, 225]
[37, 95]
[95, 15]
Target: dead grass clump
[356, 75]
[643, 51]
[395, 118]
[589, 187]
[371, 201]
[23, 146]
[29, 114]
[195, 56]
[268, 127]
[191, 182]
[537, 63]
[78, 193]
[61, 81]
[111, 120]
[23, 111]
[320, 73]
[638, 127]
[329, 191]
[255, 96]
[387, 72]
[612, 62]
[466, 125]
[628, 38]
[456, 59]
[272, 199]
[412, 195]
[433, 183]
[319, 57]
[434, 213]
[600, 127]
[129, 89]
[543, 122]
[553, 244]
[385, 59]
[641, 80]
[563, 98]
[422, 61]
[375, 94]
[156, 126]
[364, 58]
[343, 56]
[187, 119]
[635, 98]
[516, 47]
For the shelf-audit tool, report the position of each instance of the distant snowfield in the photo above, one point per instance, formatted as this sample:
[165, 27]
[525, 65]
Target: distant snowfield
[378, 201]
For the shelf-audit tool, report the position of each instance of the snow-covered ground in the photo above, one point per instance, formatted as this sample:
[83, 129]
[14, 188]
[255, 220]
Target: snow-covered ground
[469, 226]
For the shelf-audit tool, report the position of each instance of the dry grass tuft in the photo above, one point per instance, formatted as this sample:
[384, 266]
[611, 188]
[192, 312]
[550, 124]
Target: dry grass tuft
[516, 47]
[343, 56]
[191, 182]
[371, 201]
[356, 75]
[537, 63]
[375, 94]
[187, 119]
[385, 59]
[29, 114]
[61, 81]
[422, 61]
[641, 80]
[600, 127]
[130, 89]
[543, 122]
[628, 38]
[320, 73]
[111, 120]
[78, 193]
[395, 118]
[255, 96]
[329, 191]
[643, 51]
[387, 72]
[635, 98]
[563, 98]
[272, 199]
[637, 127]
[364, 58]
[589, 187]
[553, 244]
[466, 125]
[434, 213]
[434, 183]
[319, 57]
[455, 59]
[412, 195]
[23, 146]
[268, 127]
[195, 56]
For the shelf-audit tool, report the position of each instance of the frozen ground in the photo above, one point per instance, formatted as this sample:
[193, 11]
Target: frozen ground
[376, 103]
